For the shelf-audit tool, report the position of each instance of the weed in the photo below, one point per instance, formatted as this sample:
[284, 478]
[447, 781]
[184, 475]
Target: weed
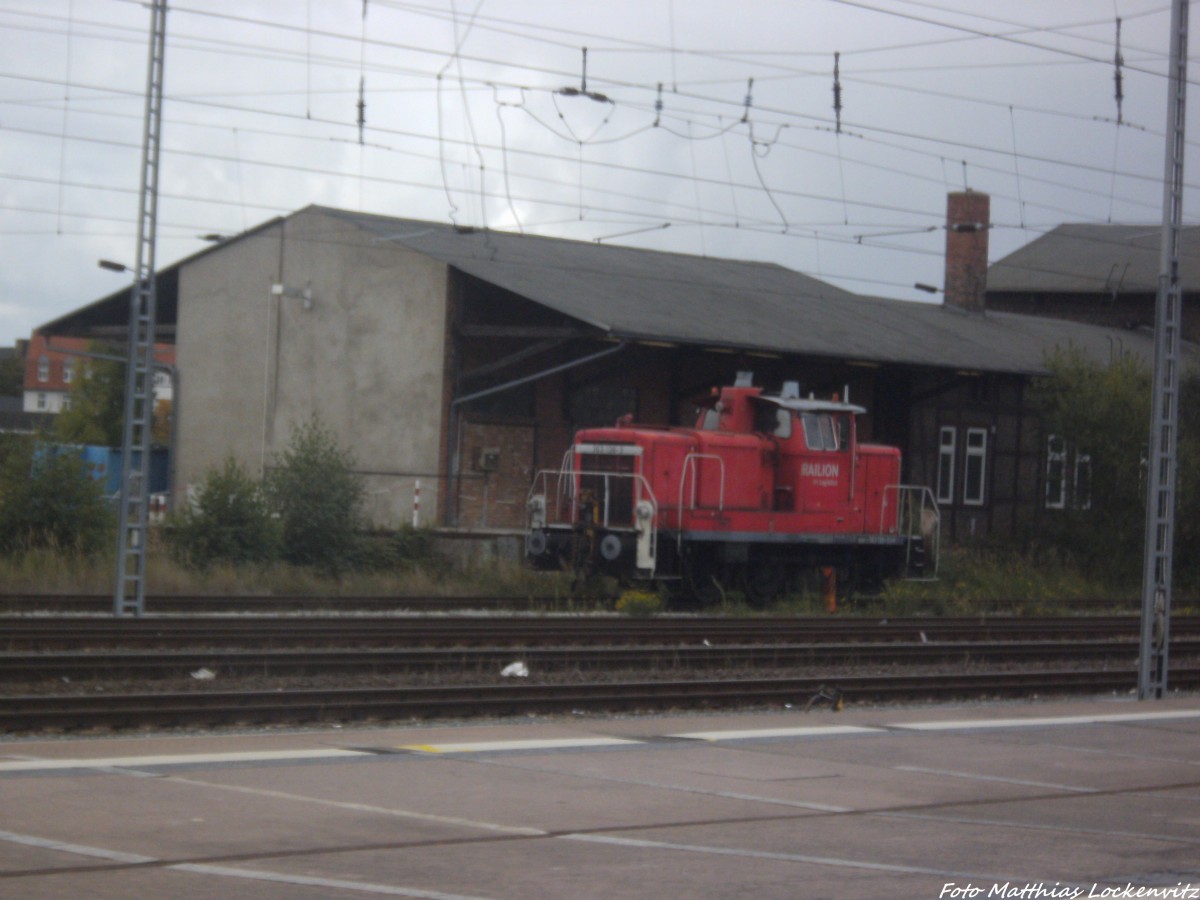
[639, 603]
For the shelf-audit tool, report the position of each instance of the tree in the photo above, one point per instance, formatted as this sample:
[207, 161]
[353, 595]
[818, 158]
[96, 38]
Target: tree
[12, 375]
[319, 500]
[229, 520]
[97, 411]
[97, 406]
[1104, 413]
[160, 433]
[1187, 501]
[48, 500]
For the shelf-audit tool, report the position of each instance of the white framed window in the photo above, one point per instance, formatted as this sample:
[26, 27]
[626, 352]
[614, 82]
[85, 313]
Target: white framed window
[68, 370]
[41, 401]
[1056, 472]
[975, 465]
[947, 446]
[43, 372]
[1083, 481]
[1068, 475]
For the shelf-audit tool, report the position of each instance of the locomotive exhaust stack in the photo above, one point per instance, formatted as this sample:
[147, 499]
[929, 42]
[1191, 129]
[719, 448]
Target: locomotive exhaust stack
[763, 490]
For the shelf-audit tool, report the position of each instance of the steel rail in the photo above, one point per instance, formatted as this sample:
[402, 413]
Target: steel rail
[84, 634]
[194, 603]
[74, 667]
[359, 704]
[199, 603]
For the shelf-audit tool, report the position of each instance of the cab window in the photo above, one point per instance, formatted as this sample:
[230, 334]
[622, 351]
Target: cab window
[783, 423]
[773, 420]
[819, 433]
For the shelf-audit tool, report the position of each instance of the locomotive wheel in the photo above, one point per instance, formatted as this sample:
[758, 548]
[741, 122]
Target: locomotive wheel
[702, 579]
[764, 582]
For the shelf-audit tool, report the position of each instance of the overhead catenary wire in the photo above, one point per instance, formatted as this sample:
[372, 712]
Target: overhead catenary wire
[901, 88]
[66, 104]
[1072, 165]
[677, 175]
[648, 47]
[694, 128]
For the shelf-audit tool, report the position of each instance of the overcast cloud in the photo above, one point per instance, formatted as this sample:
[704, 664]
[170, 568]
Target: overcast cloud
[466, 121]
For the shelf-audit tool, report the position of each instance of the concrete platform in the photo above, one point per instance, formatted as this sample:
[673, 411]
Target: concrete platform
[1085, 798]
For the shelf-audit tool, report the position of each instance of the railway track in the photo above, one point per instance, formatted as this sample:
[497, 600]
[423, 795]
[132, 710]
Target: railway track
[90, 634]
[326, 706]
[73, 667]
[78, 671]
[193, 604]
[101, 604]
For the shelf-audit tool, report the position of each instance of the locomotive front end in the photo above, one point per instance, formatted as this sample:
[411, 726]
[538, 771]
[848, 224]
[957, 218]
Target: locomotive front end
[596, 514]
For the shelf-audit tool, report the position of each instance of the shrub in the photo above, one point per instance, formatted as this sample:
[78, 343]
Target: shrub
[413, 548]
[48, 500]
[407, 549]
[228, 521]
[319, 500]
[1104, 411]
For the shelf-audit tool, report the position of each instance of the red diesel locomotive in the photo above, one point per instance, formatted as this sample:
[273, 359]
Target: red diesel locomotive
[763, 490]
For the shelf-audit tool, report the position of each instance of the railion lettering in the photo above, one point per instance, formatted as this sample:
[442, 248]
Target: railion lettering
[819, 470]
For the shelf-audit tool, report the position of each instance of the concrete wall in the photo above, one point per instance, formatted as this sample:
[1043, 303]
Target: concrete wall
[366, 356]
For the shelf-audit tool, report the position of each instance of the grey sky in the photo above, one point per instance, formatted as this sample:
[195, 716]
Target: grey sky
[466, 121]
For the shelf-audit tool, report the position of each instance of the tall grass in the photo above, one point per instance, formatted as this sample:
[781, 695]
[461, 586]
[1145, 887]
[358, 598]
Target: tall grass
[1005, 581]
[971, 582]
[50, 571]
[62, 572]
[976, 582]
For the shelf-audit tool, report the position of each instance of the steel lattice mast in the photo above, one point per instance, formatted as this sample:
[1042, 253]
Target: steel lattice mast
[1161, 476]
[130, 595]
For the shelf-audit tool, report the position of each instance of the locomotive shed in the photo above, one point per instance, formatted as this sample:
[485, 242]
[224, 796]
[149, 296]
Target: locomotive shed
[1097, 795]
[457, 363]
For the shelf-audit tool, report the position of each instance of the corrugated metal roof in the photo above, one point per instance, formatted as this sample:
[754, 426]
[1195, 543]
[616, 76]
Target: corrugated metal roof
[722, 303]
[649, 295]
[1094, 259]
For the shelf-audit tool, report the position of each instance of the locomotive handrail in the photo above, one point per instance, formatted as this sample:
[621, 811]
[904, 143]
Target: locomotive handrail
[920, 499]
[569, 475]
[564, 471]
[689, 463]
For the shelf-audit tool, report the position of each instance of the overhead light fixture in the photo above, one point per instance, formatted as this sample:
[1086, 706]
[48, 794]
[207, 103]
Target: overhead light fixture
[112, 266]
[305, 295]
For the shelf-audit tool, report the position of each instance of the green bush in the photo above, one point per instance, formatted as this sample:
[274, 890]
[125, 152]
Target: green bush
[407, 549]
[413, 548]
[319, 501]
[1104, 411]
[48, 500]
[228, 521]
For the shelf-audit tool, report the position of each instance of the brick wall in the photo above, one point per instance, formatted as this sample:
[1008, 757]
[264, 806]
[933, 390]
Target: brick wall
[967, 219]
[496, 472]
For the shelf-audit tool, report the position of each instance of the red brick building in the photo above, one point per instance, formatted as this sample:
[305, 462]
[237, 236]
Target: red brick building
[55, 365]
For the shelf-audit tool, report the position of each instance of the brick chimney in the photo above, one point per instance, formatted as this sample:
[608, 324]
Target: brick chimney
[967, 223]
